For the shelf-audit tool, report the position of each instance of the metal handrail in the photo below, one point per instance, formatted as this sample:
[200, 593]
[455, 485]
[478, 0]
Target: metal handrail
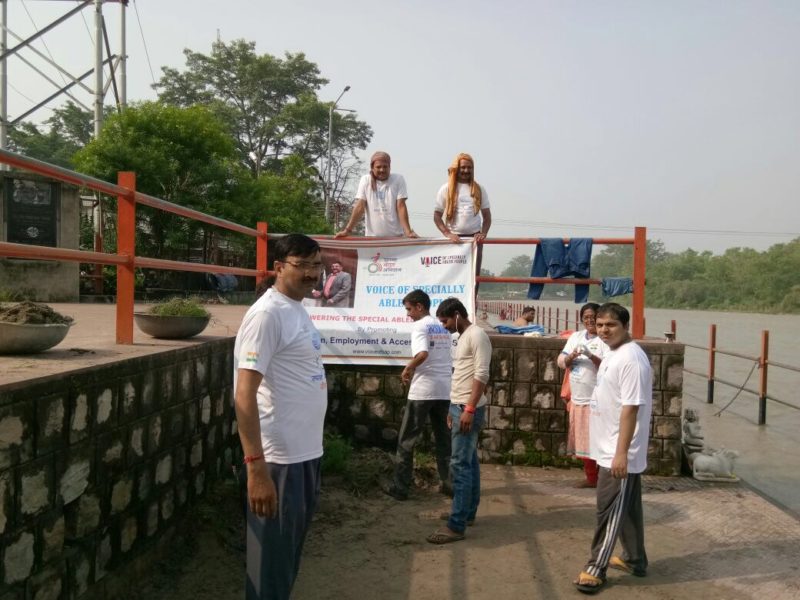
[762, 361]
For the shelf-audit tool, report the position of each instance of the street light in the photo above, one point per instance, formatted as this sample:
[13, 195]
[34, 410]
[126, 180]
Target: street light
[330, 138]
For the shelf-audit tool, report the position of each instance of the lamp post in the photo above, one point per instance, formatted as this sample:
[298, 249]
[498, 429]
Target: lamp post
[330, 139]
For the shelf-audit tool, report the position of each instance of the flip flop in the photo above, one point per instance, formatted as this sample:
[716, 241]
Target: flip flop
[444, 536]
[620, 565]
[588, 583]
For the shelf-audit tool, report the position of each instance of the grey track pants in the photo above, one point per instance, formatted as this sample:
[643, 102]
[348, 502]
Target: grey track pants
[619, 516]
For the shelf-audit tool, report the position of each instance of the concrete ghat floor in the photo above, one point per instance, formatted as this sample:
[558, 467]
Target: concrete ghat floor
[531, 538]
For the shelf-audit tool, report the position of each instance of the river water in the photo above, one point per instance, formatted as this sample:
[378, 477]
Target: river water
[770, 454]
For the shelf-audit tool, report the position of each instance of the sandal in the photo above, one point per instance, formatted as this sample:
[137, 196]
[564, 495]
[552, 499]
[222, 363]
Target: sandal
[444, 536]
[620, 565]
[588, 583]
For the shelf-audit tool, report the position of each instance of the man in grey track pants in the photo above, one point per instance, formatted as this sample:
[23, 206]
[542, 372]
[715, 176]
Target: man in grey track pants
[621, 406]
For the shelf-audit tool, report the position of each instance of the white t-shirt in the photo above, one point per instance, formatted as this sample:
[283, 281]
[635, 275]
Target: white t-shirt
[465, 221]
[382, 219]
[278, 339]
[583, 373]
[624, 378]
[432, 378]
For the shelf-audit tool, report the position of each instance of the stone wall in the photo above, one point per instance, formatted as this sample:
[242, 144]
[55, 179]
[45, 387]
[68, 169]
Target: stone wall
[44, 280]
[96, 465]
[527, 423]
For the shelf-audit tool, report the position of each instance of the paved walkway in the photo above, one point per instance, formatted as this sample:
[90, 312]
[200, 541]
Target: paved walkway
[532, 536]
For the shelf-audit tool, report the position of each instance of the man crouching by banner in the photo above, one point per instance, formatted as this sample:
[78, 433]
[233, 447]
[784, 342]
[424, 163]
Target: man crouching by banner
[428, 378]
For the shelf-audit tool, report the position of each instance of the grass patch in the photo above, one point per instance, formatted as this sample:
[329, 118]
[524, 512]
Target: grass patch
[336, 454]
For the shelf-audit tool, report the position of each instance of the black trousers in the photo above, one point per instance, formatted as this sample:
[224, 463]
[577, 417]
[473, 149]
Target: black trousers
[416, 415]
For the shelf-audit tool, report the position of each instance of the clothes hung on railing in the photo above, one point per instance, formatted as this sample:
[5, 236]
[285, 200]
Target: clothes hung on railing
[616, 286]
[561, 260]
[538, 329]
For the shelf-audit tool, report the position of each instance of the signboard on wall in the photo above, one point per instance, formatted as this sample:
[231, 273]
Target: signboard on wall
[32, 212]
[369, 325]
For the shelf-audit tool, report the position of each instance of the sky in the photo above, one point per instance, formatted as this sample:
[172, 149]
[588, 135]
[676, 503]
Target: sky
[585, 118]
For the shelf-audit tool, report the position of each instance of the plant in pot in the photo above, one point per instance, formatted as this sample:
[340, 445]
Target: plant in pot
[29, 327]
[173, 319]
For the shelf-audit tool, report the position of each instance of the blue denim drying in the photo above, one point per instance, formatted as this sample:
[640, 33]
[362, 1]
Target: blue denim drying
[553, 257]
[616, 286]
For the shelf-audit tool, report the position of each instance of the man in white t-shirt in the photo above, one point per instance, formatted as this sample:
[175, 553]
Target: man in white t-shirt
[428, 377]
[621, 406]
[462, 206]
[382, 196]
[281, 396]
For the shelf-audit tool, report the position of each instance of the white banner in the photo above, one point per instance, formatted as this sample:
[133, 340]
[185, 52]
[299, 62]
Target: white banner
[368, 325]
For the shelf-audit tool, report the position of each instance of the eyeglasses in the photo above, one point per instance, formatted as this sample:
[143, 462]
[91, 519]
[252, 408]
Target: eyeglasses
[308, 267]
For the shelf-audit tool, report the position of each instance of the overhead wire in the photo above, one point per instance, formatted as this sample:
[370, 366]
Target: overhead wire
[597, 227]
[144, 42]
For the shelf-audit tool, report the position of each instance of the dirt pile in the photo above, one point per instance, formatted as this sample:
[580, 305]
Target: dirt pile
[31, 313]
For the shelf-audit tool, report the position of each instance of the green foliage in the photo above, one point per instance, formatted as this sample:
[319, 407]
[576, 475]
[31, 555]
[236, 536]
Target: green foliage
[268, 104]
[179, 307]
[336, 454]
[181, 155]
[739, 279]
[68, 129]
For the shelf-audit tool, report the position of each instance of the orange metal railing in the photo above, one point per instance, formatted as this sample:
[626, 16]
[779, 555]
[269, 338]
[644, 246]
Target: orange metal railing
[639, 243]
[125, 259]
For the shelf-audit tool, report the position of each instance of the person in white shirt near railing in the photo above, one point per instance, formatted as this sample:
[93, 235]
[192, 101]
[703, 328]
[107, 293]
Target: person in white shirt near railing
[381, 196]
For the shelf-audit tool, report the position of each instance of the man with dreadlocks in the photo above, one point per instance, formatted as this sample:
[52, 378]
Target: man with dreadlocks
[464, 204]
[382, 196]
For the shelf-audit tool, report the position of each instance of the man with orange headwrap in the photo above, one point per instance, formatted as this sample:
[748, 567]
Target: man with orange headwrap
[464, 204]
[382, 196]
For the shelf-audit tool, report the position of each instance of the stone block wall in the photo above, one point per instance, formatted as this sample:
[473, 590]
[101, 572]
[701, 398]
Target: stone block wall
[527, 422]
[96, 465]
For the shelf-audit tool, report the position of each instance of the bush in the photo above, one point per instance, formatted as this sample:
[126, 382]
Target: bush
[336, 454]
[179, 307]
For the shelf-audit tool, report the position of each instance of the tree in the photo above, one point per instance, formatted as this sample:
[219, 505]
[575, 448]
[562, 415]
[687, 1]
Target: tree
[69, 129]
[268, 104]
[185, 156]
[182, 155]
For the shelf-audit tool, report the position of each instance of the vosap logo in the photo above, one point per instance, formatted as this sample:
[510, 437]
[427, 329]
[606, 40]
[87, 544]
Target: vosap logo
[453, 259]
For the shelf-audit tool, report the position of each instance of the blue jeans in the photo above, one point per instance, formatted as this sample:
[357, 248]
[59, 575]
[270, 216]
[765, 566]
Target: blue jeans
[465, 468]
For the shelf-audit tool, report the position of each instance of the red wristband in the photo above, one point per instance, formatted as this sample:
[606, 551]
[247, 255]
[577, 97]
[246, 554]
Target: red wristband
[254, 458]
[469, 408]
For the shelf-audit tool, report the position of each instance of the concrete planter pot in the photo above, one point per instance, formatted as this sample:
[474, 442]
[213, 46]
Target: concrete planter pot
[170, 327]
[25, 338]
